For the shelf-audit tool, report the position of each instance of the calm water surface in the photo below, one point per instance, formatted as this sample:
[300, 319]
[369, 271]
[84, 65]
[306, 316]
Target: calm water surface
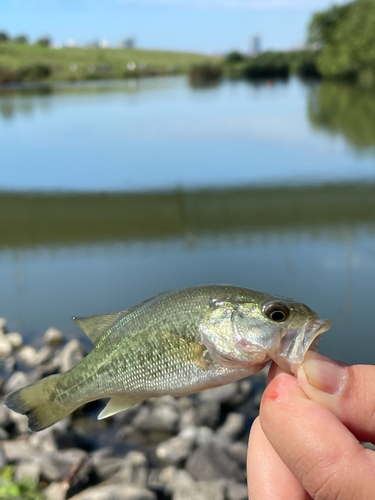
[267, 187]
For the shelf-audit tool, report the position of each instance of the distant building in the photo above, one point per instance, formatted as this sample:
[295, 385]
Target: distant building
[255, 45]
[126, 43]
[104, 44]
[71, 43]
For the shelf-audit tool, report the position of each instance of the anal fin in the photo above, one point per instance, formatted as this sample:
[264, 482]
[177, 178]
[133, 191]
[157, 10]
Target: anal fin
[117, 404]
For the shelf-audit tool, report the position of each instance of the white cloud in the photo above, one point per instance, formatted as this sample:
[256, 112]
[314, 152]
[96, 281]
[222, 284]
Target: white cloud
[239, 4]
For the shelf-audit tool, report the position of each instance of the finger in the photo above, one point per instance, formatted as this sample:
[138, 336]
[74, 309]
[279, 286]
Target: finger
[318, 449]
[348, 391]
[267, 475]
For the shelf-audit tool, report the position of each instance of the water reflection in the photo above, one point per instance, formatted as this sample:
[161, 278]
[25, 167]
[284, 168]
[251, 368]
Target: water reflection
[30, 220]
[340, 108]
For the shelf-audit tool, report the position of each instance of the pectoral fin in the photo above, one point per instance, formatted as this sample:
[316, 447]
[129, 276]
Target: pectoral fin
[117, 404]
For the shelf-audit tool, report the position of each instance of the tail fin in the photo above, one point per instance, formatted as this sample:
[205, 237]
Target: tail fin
[38, 402]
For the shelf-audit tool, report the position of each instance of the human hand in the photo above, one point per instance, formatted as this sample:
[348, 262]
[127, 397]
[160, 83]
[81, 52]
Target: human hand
[305, 443]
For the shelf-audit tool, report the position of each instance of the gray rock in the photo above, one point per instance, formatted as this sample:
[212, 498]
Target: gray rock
[17, 449]
[15, 339]
[212, 461]
[236, 491]
[5, 418]
[188, 417]
[43, 440]
[58, 465]
[204, 435]
[3, 325]
[158, 418]
[133, 470]
[3, 435]
[208, 414]
[16, 381]
[185, 488]
[115, 491]
[28, 469]
[56, 491]
[70, 355]
[233, 426]
[166, 476]
[53, 337]
[32, 358]
[21, 422]
[107, 467]
[3, 458]
[239, 451]
[5, 346]
[174, 450]
[234, 393]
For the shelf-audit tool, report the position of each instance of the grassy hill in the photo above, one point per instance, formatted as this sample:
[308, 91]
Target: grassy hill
[33, 62]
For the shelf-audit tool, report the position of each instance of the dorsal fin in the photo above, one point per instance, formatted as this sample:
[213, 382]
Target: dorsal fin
[97, 325]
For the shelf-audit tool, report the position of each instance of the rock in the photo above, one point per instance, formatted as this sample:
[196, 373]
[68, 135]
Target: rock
[16, 381]
[43, 440]
[56, 491]
[208, 414]
[212, 461]
[15, 339]
[5, 418]
[27, 470]
[233, 426]
[236, 491]
[5, 347]
[239, 451]
[58, 465]
[174, 450]
[166, 476]
[204, 435]
[53, 337]
[233, 394]
[159, 418]
[17, 449]
[115, 491]
[133, 470]
[3, 325]
[3, 458]
[33, 358]
[70, 355]
[21, 422]
[185, 488]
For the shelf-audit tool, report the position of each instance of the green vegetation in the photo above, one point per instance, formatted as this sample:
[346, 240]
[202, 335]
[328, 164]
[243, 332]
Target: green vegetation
[19, 490]
[22, 62]
[269, 65]
[345, 109]
[32, 220]
[346, 37]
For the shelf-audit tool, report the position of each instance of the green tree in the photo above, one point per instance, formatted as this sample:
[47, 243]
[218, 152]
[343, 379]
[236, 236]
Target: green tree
[347, 37]
[44, 41]
[3, 36]
[21, 40]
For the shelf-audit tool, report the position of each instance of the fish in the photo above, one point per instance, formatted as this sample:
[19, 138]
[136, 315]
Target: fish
[176, 343]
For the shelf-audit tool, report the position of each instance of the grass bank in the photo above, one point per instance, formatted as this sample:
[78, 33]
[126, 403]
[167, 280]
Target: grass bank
[33, 62]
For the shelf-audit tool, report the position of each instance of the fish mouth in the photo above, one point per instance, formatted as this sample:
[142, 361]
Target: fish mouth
[296, 342]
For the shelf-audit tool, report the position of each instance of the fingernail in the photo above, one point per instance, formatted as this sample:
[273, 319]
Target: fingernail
[324, 373]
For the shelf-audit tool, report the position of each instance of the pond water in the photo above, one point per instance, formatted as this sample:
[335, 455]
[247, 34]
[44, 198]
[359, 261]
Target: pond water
[114, 191]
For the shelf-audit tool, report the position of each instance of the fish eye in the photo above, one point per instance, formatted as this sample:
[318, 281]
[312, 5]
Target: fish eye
[276, 311]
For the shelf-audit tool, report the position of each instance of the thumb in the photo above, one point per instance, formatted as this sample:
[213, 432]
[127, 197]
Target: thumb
[347, 391]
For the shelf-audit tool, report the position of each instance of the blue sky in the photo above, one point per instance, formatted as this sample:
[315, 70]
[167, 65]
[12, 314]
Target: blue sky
[213, 26]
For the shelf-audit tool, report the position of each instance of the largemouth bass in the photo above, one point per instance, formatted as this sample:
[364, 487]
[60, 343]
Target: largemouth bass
[177, 343]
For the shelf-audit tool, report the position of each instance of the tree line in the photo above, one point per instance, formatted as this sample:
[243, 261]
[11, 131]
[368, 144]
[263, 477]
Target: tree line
[44, 41]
